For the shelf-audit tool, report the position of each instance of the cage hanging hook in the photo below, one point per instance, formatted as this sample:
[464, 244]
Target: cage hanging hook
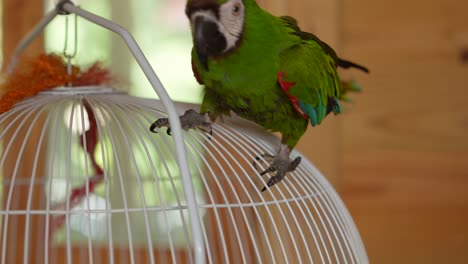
[60, 9]
[70, 56]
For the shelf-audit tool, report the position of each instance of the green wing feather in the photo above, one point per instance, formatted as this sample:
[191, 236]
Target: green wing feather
[306, 36]
[291, 22]
[312, 65]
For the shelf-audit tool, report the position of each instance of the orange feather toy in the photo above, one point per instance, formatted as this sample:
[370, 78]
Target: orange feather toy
[45, 72]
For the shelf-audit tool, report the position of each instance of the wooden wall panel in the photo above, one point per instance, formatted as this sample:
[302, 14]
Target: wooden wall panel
[405, 145]
[19, 17]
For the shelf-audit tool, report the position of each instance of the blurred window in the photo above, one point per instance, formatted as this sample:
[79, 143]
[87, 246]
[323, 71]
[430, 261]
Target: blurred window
[160, 28]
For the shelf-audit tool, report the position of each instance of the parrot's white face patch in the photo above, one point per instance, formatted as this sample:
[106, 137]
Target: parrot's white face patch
[231, 16]
[230, 21]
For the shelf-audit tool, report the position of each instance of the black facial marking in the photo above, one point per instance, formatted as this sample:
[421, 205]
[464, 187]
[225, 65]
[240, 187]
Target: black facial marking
[200, 5]
[209, 41]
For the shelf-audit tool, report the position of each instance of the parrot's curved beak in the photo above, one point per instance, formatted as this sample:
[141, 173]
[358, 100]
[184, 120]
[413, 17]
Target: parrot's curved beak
[208, 40]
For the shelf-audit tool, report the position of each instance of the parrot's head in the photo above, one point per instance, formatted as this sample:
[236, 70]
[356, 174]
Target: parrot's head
[217, 27]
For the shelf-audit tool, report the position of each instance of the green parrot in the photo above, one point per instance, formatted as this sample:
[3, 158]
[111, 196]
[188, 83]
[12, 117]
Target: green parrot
[264, 69]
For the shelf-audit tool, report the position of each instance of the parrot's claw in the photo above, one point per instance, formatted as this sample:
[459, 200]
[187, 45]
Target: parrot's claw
[281, 166]
[190, 119]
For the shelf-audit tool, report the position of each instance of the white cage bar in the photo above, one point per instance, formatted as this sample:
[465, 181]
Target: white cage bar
[141, 210]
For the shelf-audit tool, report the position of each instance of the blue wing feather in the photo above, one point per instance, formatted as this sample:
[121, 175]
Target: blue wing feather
[318, 113]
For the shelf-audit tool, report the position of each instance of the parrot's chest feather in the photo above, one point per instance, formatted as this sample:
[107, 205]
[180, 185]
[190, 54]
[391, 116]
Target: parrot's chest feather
[260, 102]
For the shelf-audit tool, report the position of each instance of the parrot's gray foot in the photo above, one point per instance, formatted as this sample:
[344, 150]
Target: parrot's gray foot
[265, 156]
[190, 119]
[279, 163]
[281, 167]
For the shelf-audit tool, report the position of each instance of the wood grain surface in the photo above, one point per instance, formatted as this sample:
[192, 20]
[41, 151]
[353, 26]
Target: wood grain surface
[405, 139]
[19, 17]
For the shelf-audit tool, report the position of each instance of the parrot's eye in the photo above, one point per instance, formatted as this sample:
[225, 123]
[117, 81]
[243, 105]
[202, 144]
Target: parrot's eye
[236, 9]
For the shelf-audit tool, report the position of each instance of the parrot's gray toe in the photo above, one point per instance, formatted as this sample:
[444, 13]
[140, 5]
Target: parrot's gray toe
[193, 119]
[162, 122]
[293, 165]
[190, 119]
[267, 157]
[281, 167]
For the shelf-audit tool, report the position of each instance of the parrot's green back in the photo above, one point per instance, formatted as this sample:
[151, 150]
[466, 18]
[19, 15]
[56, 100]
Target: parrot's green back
[279, 77]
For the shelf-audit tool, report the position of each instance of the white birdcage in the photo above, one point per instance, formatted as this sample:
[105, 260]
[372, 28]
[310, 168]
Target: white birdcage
[138, 197]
